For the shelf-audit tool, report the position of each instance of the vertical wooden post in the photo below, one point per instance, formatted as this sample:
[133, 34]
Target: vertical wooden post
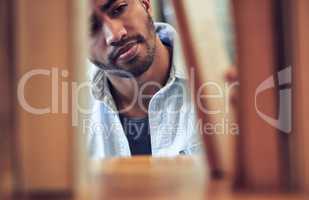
[258, 164]
[7, 99]
[193, 63]
[44, 45]
[300, 137]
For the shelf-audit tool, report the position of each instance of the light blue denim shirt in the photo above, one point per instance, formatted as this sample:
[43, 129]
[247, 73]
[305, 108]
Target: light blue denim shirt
[172, 119]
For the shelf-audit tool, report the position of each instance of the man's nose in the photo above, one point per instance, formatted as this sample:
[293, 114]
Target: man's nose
[114, 32]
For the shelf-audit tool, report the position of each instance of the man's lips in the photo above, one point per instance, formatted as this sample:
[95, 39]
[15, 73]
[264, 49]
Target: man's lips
[127, 52]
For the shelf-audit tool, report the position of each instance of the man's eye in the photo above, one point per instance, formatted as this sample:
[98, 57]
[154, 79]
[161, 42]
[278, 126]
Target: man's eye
[118, 10]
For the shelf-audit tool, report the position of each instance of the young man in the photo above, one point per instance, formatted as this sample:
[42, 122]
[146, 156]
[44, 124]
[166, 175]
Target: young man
[142, 104]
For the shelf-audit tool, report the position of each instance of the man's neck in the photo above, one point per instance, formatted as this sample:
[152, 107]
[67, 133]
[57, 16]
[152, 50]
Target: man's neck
[126, 91]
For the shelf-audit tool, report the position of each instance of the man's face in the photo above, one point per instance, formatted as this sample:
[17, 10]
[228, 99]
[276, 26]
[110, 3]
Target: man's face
[122, 37]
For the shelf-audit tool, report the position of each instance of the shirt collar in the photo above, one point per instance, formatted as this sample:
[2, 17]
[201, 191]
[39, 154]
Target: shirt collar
[169, 37]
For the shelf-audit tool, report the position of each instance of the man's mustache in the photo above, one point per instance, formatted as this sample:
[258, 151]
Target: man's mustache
[122, 43]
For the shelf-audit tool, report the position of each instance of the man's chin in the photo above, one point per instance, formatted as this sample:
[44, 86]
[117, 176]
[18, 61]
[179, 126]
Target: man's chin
[134, 72]
[120, 73]
[133, 69]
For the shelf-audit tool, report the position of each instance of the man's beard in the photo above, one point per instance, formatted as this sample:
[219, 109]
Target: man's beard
[136, 66]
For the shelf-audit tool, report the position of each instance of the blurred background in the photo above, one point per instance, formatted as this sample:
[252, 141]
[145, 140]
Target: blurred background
[263, 41]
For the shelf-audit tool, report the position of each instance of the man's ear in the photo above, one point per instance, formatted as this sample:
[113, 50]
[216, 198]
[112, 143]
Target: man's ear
[147, 5]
